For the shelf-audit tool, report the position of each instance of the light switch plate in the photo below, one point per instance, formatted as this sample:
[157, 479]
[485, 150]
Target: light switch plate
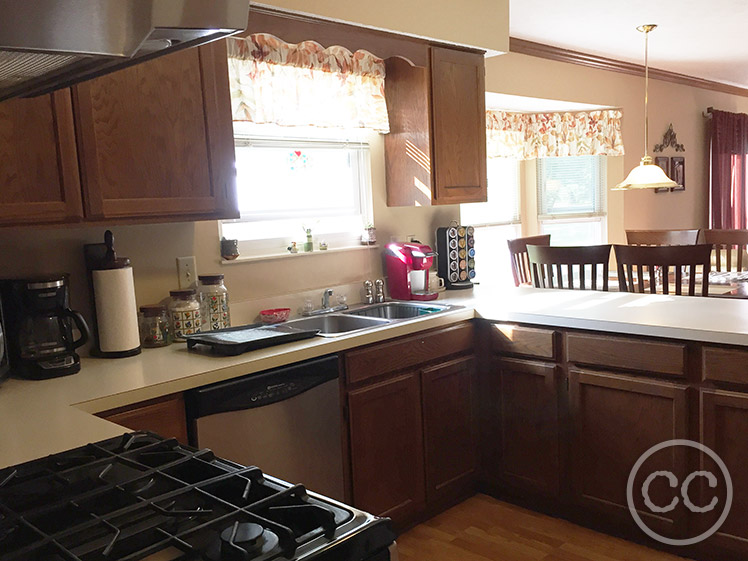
[187, 272]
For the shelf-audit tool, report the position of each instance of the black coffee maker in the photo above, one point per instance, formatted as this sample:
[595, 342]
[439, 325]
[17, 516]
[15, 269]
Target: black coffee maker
[39, 325]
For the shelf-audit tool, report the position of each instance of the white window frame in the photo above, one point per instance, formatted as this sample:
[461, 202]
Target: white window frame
[599, 215]
[518, 199]
[578, 219]
[348, 238]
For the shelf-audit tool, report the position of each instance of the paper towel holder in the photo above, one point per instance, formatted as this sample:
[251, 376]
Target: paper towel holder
[102, 257]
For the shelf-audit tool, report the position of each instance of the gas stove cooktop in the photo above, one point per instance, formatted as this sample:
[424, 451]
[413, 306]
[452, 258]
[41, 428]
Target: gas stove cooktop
[143, 497]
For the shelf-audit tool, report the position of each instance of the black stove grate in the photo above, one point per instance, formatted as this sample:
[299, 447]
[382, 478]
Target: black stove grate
[129, 497]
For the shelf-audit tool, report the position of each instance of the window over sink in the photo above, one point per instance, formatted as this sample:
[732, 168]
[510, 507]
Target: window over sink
[303, 119]
[290, 180]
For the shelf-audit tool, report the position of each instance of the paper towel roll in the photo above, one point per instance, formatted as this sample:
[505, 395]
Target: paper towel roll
[116, 310]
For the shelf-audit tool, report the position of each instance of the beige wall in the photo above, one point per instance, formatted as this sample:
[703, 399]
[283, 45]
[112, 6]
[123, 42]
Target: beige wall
[252, 285]
[477, 23]
[668, 103]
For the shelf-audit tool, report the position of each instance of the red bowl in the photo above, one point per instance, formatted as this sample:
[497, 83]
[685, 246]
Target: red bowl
[276, 315]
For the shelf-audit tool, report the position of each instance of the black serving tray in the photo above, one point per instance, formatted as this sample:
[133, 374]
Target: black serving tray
[234, 341]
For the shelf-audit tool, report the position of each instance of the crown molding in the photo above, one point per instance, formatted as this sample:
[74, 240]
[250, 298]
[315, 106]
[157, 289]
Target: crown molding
[524, 47]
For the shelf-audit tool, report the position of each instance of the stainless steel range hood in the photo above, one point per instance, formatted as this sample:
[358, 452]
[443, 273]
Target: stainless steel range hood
[50, 44]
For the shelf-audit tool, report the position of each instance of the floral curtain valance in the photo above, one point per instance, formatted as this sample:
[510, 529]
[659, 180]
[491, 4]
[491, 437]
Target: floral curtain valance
[305, 84]
[525, 136]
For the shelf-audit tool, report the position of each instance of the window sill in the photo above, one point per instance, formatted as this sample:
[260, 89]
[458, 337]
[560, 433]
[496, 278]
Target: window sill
[287, 255]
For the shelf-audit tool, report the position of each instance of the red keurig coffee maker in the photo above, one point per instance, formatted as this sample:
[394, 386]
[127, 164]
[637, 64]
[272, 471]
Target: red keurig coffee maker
[408, 271]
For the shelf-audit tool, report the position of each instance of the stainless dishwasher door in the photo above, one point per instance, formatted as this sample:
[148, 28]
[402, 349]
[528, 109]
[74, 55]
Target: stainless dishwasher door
[288, 424]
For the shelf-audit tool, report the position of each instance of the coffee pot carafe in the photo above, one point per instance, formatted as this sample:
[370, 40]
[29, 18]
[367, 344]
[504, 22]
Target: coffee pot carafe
[40, 324]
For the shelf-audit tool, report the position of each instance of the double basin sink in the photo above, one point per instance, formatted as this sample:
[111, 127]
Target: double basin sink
[368, 317]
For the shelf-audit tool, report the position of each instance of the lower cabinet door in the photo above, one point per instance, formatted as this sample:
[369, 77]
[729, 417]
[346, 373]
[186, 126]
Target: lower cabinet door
[449, 426]
[724, 429]
[387, 448]
[615, 420]
[165, 416]
[527, 441]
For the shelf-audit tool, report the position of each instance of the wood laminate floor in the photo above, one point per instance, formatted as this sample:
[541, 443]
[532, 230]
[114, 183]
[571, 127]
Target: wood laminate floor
[483, 528]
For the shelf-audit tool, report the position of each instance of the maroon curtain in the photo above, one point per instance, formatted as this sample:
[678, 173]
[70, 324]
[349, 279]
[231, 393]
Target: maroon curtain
[728, 144]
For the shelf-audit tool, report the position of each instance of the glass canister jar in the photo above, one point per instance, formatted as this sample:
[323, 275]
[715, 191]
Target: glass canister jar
[184, 312]
[155, 330]
[214, 302]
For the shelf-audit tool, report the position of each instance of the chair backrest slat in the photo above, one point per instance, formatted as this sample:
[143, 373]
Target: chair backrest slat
[662, 237]
[520, 262]
[664, 259]
[732, 241]
[572, 260]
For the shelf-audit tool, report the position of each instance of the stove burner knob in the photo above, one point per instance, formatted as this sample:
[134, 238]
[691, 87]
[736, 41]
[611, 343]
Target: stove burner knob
[240, 540]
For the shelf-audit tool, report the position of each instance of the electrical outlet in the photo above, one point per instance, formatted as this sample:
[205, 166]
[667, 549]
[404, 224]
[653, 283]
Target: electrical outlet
[187, 272]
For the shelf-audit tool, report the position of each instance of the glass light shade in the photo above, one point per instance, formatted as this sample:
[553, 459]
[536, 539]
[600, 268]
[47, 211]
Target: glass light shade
[645, 176]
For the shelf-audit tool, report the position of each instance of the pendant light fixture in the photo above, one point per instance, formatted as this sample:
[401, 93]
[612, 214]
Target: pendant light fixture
[646, 175]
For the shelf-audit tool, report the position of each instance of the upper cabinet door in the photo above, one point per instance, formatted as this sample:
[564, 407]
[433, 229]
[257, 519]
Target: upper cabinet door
[156, 139]
[39, 179]
[458, 97]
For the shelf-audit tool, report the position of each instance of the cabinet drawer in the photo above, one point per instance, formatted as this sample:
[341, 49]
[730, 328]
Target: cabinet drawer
[406, 352]
[724, 365]
[626, 354]
[526, 341]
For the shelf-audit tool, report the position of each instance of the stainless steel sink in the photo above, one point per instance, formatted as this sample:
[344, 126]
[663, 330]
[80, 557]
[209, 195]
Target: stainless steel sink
[369, 316]
[332, 325]
[398, 310]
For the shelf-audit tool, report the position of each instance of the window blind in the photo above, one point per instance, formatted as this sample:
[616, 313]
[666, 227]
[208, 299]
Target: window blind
[571, 186]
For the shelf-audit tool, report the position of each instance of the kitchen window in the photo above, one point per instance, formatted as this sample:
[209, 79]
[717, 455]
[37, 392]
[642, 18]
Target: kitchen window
[571, 199]
[496, 220]
[303, 118]
[290, 180]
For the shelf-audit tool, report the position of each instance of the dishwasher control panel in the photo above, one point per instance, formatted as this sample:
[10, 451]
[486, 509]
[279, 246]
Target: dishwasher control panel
[274, 392]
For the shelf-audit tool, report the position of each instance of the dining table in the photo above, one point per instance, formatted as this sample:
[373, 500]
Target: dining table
[728, 284]
[722, 284]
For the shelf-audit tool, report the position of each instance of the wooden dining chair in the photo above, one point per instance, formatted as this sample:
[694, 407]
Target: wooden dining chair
[518, 255]
[730, 244]
[559, 267]
[662, 237]
[640, 266]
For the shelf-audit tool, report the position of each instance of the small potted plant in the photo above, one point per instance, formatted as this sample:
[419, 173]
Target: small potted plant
[309, 244]
[369, 235]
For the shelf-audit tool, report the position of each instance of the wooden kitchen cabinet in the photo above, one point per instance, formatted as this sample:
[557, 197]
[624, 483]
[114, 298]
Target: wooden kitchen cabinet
[724, 426]
[527, 436]
[614, 420]
[412, 422]
[449, 428]
[458, 96]
[386, 440]
[39, 179]
[155, 139]
[436, 149]
[165, 416]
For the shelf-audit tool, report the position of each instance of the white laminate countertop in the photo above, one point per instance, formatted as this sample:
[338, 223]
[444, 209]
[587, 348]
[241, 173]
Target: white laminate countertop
[45, 417]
